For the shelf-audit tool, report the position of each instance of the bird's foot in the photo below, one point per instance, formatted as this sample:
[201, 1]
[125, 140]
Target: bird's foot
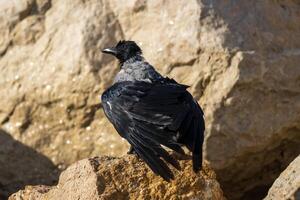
[131, 151]
[179, 156]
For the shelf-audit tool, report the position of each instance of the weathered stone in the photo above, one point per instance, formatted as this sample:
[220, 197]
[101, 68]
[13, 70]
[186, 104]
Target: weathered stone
[53, 72]
[21, 165]
[125, 178]
[287, 185]
[28, 31]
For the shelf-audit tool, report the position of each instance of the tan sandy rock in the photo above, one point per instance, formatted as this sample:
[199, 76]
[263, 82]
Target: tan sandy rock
[125, 178]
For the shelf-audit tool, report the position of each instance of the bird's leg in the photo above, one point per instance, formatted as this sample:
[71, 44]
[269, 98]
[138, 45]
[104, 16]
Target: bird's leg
[131, 150]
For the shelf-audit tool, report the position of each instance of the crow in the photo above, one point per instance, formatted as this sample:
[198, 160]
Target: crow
[152, 112]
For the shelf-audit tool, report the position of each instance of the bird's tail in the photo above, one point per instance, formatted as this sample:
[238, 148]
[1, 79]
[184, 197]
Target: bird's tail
[192, 130]
[198, 133]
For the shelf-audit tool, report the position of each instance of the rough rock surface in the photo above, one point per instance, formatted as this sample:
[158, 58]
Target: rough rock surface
[287, 185]
[240, 58]
[125, 178]
[21, 165]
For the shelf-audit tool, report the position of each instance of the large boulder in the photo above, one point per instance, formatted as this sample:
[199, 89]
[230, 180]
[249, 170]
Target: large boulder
[287, 185]
[53, 74]
[125, 178]
[240, 58]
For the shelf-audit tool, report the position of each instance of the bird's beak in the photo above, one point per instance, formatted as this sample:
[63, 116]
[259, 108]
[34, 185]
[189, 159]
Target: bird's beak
[111, 50]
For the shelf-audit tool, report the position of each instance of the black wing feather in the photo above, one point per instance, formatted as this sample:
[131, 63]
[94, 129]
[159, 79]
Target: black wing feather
[149, 115]
[148, 155]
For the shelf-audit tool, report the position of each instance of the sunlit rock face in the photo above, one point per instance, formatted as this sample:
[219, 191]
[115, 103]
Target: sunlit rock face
[287, 185]
[240, 58]
[53, 75]
[108, 178]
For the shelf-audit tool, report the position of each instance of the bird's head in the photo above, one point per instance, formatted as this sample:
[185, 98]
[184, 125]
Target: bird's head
[124, 50]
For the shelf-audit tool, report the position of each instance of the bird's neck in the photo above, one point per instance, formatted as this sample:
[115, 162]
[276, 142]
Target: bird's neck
[137, 69]
[131, 60]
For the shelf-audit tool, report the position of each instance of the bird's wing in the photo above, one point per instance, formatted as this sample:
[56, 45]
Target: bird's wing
[148, 115]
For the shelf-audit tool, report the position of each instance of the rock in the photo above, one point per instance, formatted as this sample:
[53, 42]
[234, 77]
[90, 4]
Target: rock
[125, 178]
[28, 31]
[54, 75]
[241, 60]
[287, 185]
[21, 165]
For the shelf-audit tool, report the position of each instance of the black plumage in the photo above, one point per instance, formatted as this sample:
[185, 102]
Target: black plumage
[151, 111]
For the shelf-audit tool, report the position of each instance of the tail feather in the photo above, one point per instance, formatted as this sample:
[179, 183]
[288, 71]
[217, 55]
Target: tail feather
[193, 135]
[197, 150]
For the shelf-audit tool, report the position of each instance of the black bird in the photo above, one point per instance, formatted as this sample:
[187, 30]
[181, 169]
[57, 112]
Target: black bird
[151, 111]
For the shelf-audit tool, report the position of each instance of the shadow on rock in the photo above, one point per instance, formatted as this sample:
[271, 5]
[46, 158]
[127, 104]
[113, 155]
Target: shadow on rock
[21, 165]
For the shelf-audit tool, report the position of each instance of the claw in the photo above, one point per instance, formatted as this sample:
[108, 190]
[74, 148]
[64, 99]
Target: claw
[131, 150]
